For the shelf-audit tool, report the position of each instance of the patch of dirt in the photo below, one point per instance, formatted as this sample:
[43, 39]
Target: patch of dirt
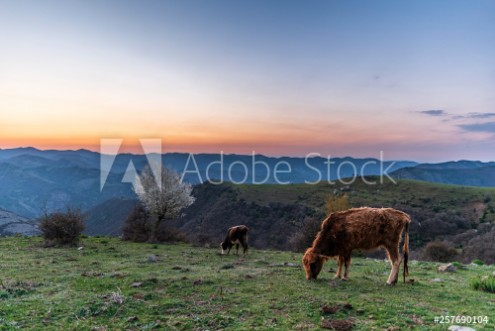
[227, 266]
[304, 326]
[416, 319]
[333, 309]
[138, 296]
[330, 310]
[198, 282]
[91, 273]
[338, 325]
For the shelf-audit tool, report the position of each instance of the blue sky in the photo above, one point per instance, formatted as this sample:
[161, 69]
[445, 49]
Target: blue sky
[415, 79]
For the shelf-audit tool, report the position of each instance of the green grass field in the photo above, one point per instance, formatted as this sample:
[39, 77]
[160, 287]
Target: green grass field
[410, 192]
[112, 285]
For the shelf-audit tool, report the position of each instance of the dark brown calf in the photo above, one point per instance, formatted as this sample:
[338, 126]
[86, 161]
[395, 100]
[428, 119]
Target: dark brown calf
[359, 228]
[236, 235]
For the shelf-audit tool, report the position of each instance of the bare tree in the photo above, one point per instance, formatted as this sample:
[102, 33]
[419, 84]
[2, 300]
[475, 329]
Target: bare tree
[163, 194]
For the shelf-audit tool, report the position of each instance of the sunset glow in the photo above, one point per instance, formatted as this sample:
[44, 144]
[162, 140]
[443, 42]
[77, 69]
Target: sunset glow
[414, 79]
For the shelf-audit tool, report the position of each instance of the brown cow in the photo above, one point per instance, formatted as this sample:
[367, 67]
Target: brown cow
[359, 228]
[235, 235]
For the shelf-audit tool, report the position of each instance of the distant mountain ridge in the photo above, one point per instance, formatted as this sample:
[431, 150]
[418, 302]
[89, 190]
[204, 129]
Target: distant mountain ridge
[35, 180]
[466, 173]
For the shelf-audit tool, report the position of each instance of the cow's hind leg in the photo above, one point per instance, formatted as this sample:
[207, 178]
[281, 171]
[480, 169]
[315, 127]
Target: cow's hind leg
[347, 261]
[394, 257]
[244, 246]
[237, 249]
[340, 262]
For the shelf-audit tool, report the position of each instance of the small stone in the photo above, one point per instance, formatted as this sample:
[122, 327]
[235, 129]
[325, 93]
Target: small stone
[80, 248]
[136, 284]
[437, 280]
[447, 268]
[460, 328]
[152, 258]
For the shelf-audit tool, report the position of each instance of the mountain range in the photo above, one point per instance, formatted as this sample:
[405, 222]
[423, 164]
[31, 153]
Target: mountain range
[36, 181]
[466, 173]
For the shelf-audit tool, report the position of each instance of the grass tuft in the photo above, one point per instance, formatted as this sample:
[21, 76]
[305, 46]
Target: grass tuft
[484, 283]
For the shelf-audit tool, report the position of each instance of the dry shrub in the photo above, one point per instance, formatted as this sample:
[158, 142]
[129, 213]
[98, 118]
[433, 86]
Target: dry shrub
[481, 248]
[138, 227]
[62, 228]
[439, 251]
[303, 238]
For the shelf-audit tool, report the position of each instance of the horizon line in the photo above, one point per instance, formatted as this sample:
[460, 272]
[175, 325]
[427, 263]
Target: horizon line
[240, 154]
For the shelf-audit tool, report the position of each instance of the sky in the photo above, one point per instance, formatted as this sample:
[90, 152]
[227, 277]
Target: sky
[414, 79]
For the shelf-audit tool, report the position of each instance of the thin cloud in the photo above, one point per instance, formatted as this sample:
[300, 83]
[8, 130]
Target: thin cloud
[473, 116]
[487, 127]
[480, 115]
[433, 112]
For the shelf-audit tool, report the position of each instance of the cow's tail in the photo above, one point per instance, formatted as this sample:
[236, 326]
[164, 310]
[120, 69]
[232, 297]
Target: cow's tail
[406, 251]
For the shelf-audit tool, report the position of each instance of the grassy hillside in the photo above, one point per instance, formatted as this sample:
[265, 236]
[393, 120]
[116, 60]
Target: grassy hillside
[415, 193]
[112, 285]
[275, 212]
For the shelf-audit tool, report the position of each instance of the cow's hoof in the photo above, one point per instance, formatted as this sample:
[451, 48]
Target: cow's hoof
[345, 279]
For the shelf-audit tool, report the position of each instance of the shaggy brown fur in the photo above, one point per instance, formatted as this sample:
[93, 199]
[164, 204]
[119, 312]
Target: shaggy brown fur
[236, 235]
[359, 228]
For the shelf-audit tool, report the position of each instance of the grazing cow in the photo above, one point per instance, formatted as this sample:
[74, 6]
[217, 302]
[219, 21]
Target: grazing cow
[236, 235]
[359, 228]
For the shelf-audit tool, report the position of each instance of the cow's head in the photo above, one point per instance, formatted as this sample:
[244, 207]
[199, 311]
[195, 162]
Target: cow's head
[313, 263]
[224, 246]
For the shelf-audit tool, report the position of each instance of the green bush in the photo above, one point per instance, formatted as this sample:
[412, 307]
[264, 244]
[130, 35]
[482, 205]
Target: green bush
[478, 262]
[485, 283]
[62, 228]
